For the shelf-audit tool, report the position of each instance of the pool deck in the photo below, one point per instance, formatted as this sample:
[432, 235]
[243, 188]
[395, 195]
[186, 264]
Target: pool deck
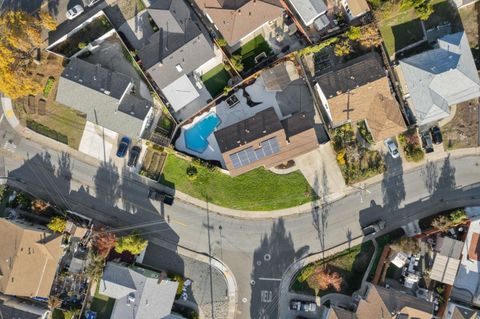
[231, 115]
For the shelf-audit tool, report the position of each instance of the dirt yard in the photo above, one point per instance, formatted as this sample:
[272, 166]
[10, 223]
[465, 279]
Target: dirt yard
[43, 109]
[469, 16]
[462, 130]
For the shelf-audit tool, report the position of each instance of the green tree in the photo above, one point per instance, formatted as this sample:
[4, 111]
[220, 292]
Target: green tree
[96, 262]
[423, 8]
[57, 224]
[318, 47]
[132, 243]
[23, 200]
[354, 33]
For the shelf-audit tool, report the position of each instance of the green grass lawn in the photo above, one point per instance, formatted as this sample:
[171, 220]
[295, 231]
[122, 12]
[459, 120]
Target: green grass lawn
[259, 189]
[351, 264]
[251, 49]
[102, 305]
[215, 80]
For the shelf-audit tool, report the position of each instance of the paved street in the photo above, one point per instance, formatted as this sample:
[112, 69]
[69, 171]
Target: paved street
[257, 251]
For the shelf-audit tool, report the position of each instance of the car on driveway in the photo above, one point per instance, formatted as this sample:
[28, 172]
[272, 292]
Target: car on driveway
[306, 306]
[123, 146]
[436, 135]
[160, 196]
[427, 142]
[134, 154]
[392, 148]
[373, 227]
[74, 12]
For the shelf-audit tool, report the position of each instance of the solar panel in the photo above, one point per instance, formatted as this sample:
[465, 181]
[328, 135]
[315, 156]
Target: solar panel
[250, 155]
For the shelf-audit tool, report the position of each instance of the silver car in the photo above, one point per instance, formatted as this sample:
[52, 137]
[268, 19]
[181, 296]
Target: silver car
[392, 147]
[74, 12]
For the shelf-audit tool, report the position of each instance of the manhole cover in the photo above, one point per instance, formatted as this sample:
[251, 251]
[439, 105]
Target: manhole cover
[252, 282]
[259, 262]
[267, 257]
[244, 300]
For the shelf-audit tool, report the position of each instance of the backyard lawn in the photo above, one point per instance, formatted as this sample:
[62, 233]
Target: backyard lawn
[259, 189]
[102, 305]
[401, 27]
[215, 80]
[351, 264]
[251, 49]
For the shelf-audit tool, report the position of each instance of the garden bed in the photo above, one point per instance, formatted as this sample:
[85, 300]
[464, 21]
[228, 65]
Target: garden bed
[351, 264]
[258, 189]
[411, 146]
[153, 163]
[356, 162]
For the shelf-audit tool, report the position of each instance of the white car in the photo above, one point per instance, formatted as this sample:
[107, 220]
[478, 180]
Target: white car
[392, 147]
[74, 12]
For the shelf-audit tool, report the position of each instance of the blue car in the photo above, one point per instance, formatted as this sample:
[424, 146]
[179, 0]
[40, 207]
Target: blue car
[123, 147]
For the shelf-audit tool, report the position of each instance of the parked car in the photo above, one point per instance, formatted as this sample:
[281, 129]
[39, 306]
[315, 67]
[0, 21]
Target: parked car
[373, 228]
[307, 306]
[91, 3]
[426, 142]
[160, 196]
[436, 135]
[134, 154]
[74, 12]
[392, 148]
[123, 146]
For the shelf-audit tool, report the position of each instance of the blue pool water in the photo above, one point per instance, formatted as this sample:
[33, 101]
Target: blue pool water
[196, 135]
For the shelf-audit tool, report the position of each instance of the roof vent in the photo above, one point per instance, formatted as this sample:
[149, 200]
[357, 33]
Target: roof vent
[131, 298]
[179, 67]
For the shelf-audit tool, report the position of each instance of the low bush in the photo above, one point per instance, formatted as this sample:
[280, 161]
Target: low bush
[364, 132]
[49, 86]
[411, 145]
[46, 131]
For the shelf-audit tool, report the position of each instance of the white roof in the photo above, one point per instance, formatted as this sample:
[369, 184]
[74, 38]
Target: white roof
[180, 92]
[400, 259]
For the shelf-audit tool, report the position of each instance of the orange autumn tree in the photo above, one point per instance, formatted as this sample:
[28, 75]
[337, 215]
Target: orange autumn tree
[104, 241]
[21, 35]
[323, 279]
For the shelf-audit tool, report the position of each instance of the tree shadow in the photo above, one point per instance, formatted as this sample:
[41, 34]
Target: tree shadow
[430, 175]
[393, 188]
[320, 208]
[270, 260]
[30, 6]
[446, 181]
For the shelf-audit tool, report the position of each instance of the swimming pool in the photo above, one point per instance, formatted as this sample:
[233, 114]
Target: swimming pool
[196, 135]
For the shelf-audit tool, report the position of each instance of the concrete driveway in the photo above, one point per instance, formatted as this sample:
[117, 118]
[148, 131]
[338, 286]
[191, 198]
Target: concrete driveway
[322, 172]
[98, 142]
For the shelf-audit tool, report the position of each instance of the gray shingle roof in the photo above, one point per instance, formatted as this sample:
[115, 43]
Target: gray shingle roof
[108, 103]
[441, 77]
[138, 296]
[309, 10]
[178, 41]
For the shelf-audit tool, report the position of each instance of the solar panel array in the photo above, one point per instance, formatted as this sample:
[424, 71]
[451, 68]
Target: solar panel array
[250, 155]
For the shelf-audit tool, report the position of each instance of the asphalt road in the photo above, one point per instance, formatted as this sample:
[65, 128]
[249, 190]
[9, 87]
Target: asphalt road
[257, 251]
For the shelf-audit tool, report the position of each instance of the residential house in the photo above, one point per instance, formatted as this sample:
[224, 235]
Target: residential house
[447, 260]
[104, 96]
[15, 308]
[380, 302]
[456, 311]
[264, 140]
[139, 293]
[466, 287]
[360, 90]
[355, 8]
[463, 3]
[237, 20]
[441, 77]
[311, 13]
[29, 257]
[177, 53]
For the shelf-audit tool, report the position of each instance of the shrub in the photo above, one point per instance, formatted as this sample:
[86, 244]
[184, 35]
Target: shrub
[237, 62]
[82, 45]
[48, 86]
[192, 172]
[23, 200]
[178, 278]
[411, 145]
[226, 90]
[57, 224]
[222, 42]
[318, 47]
[46, 131]
[341, 157]
[364, 132]
[306, 272]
